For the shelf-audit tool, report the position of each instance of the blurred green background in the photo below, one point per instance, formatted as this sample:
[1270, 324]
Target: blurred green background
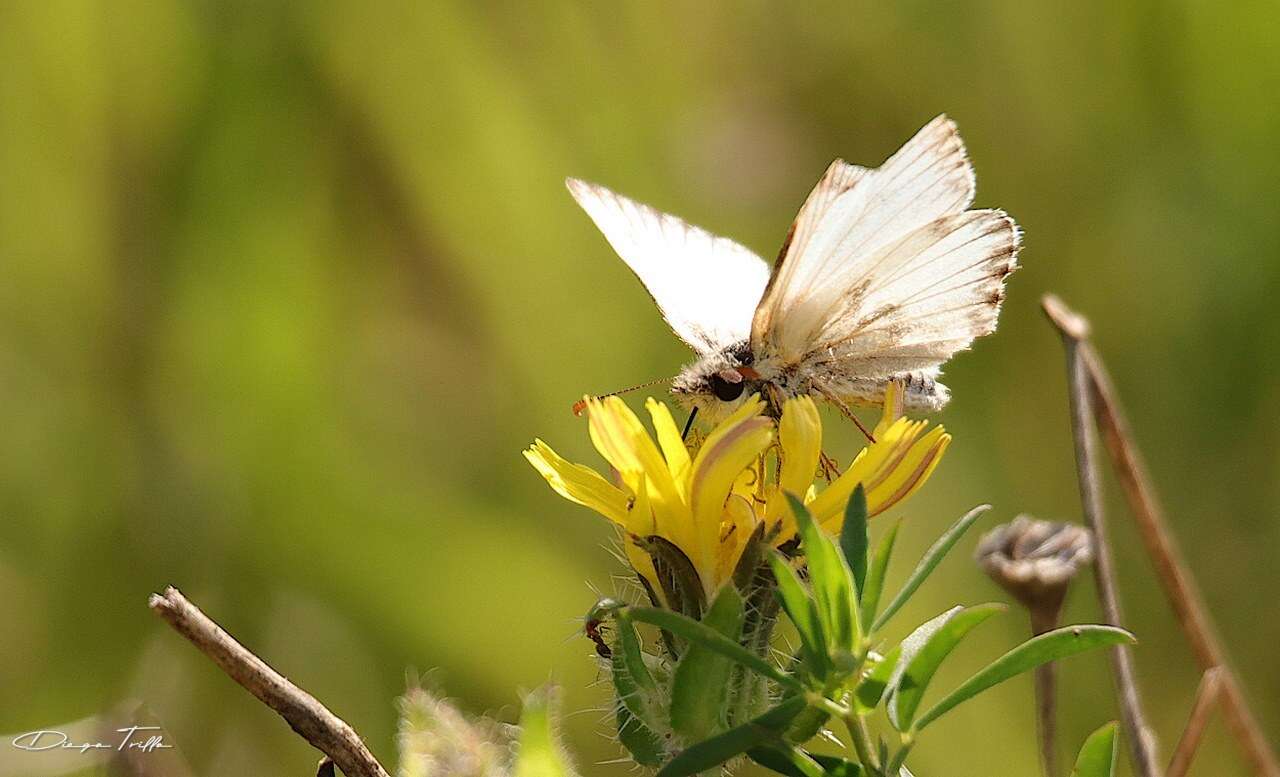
[286, 288]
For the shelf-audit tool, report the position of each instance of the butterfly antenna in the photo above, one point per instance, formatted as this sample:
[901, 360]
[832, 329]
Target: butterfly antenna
[581, 404]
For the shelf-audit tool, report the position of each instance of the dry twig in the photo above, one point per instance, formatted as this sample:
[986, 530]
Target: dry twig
[305, 715]
[1141, 742]
[1095, 389]
[1201, 711]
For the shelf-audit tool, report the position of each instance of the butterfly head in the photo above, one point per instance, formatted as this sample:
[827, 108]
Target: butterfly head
[717, 383]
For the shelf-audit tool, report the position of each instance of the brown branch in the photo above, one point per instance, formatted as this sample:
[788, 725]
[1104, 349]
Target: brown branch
[1201, 711]
[1141, 742]
[305, 715]
[1171, 571]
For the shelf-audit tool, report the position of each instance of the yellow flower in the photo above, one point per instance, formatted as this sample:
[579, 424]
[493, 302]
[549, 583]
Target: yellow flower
[708, 504]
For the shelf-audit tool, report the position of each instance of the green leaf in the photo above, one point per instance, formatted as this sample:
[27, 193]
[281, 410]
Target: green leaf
[631, 678]
[875, 576]
[714, 751]
[922, 654]
[928, 563]
[803, 612]
[794, 762]
[1098, 754]
[834, 766]
[707, 637]
[830, 579]
[788, 760]
[854, 541]
[701, 680]
[539, 753]
[1050, 646]
[874, 682]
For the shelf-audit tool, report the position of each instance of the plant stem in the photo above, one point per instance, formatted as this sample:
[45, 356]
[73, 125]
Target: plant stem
[1046, 680]
[1161, 547]
[862, 741]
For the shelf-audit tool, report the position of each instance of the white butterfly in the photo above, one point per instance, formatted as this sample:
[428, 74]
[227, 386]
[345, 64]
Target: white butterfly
[884, 275]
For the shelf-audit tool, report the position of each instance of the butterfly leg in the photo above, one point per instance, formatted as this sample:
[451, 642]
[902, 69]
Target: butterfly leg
[834, 399]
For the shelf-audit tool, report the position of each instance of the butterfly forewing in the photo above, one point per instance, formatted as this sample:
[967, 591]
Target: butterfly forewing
[706, 286]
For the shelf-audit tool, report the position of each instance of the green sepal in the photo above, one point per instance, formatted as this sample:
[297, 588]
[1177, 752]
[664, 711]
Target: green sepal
[677, 576]
[639, 740]
[700, 684]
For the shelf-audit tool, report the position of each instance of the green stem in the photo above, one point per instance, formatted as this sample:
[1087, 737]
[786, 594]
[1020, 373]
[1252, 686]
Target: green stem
[862, 741]
[857, 727]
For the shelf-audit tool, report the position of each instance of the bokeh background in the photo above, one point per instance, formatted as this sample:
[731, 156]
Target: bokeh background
[286, 288]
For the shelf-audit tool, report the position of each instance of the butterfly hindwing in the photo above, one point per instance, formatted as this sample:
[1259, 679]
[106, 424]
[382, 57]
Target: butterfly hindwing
[893, 275]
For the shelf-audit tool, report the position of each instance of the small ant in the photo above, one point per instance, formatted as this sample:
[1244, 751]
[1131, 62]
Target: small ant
[592, 629]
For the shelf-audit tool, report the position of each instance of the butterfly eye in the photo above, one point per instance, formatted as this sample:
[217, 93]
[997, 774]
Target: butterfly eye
[725, 388]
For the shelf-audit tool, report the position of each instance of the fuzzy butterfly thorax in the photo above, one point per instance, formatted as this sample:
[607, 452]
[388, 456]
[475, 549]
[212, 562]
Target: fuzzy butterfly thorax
[885, 274]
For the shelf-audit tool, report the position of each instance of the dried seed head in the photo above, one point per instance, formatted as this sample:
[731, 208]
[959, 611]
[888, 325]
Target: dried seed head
[1035, 560]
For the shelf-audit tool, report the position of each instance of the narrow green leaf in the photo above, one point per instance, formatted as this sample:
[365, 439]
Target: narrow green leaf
[928, 563]
[920, 661]
[912, 645]
[854, 541]
[875, 576]
[539, 753]
[705, 636]
[803, 612]
[830, 579]
[834, 766]
[788, 760]
[701, 680]
[1050, 646]
[714, 751]
[631, 678]
[1098, 754]
[874, 682]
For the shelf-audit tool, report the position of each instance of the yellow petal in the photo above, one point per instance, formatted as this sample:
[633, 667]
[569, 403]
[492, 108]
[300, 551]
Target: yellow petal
[626, 444]
[731, 448]
[578, 483]
[890, 469]
[910, 473]
[672, 443]
[800, 434]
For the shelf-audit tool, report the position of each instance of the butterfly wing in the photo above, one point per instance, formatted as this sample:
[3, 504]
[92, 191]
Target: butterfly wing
[707, 287]
[886, 272]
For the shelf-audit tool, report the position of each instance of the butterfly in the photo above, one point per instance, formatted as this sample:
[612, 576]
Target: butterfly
[883, 276]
